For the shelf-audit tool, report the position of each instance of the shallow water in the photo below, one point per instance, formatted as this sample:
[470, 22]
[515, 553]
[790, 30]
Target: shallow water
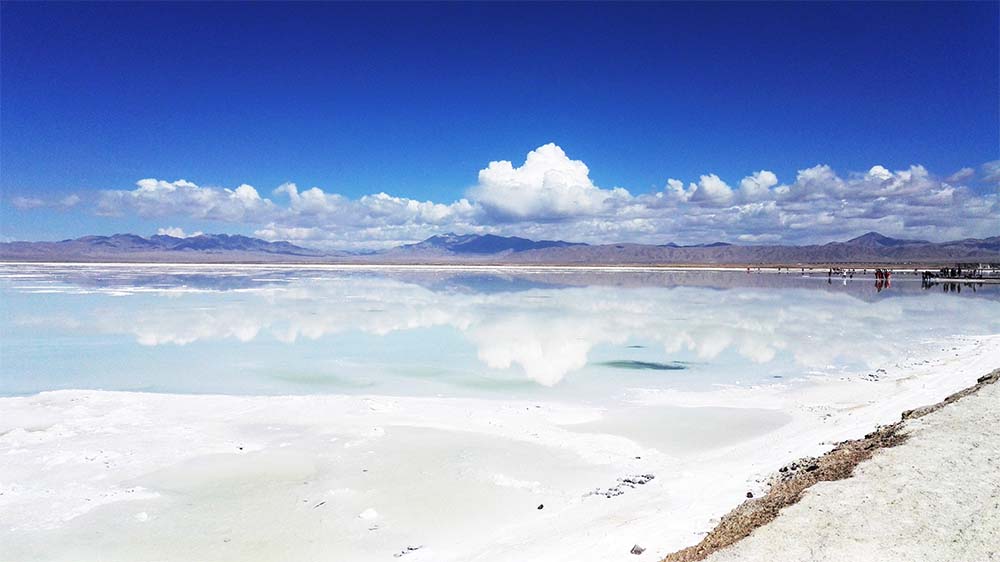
[508, 333]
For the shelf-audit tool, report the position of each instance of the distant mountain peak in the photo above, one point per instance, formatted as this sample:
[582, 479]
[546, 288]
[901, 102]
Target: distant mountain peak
[871, 236]
[876, 239]
[484, 244]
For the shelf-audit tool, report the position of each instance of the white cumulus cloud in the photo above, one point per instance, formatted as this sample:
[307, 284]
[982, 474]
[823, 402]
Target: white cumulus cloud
[548, 185]
[159, 198]
[756, 186]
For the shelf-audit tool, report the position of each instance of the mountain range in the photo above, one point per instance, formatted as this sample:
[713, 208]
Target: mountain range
[131, 247]
[491, 249]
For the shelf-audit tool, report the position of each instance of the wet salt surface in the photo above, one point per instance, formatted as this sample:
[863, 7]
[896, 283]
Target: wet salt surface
[317, 414]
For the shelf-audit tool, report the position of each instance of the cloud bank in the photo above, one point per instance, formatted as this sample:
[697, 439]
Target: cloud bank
[550, 195]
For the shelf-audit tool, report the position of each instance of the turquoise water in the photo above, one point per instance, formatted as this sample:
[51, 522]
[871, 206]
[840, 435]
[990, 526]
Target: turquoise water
[506, 333]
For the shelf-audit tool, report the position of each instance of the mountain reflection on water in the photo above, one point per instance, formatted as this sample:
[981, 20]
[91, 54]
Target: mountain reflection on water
[449, 331]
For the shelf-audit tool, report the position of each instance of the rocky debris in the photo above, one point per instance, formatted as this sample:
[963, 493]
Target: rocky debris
[640, 479]
[609, 493]
[749, 495]
[407, 550]
[623, 484]
[789, 471]
[874, 377]
[541, 505]
[637, 550]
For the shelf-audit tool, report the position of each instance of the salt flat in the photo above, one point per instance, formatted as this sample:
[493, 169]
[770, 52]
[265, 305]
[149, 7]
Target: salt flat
[315, 417]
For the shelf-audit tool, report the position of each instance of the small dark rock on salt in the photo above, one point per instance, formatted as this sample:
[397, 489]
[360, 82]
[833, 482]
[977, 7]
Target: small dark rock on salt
[541, 505]
[636, 549]
[749, 495]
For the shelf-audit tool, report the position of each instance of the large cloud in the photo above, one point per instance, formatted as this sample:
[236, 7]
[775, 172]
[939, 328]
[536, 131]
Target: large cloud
[547, 186]
[552, 196]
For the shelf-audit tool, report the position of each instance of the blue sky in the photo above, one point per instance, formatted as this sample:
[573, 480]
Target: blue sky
[414, 100]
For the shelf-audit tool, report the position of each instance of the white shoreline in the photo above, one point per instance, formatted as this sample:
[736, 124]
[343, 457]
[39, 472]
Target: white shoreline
[459, 476]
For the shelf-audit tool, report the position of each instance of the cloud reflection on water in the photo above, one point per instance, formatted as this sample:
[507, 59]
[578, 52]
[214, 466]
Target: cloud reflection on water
[546, 330]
